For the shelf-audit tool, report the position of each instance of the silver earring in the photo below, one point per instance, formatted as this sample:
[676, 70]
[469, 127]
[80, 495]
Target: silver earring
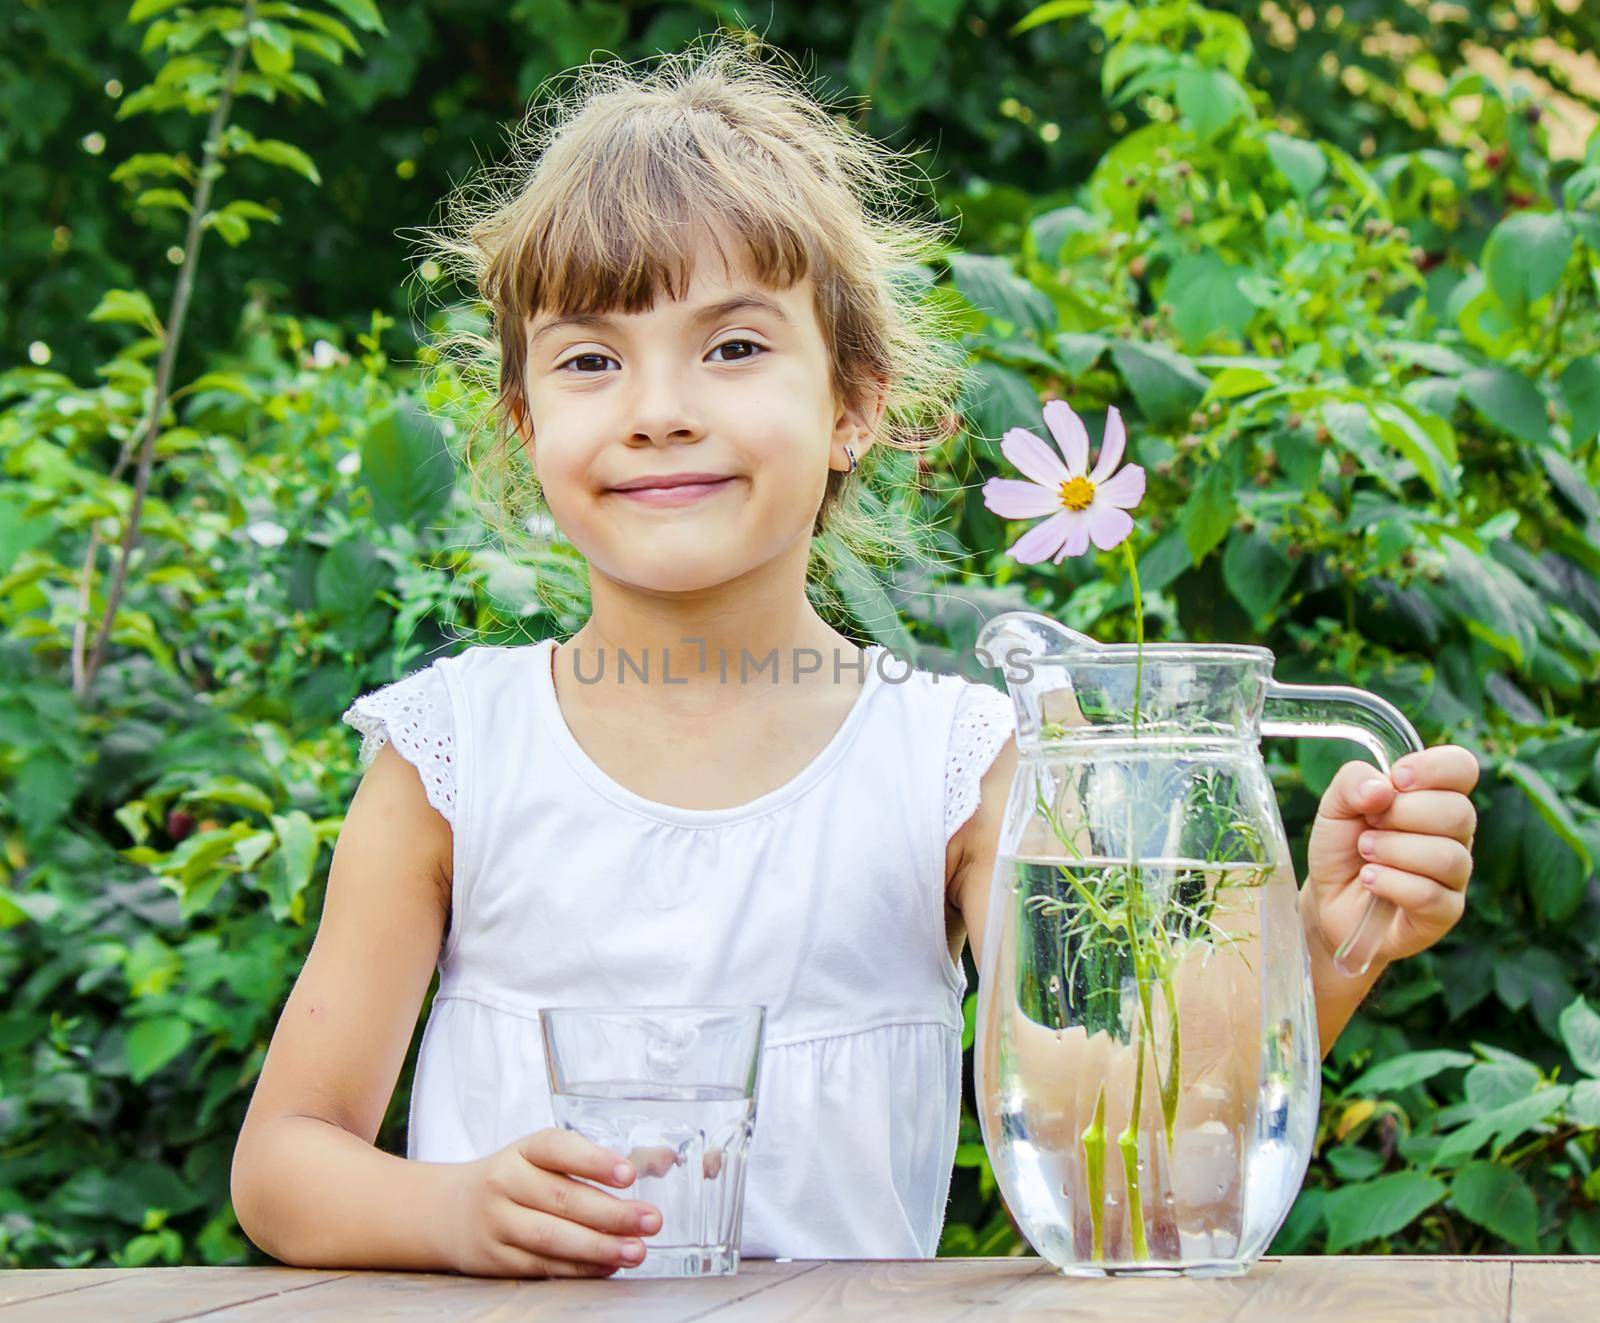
[852, 457]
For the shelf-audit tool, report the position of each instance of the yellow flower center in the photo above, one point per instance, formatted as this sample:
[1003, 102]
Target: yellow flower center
[1077, 493]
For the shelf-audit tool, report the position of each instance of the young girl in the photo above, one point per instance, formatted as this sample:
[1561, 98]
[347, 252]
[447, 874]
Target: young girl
[707, 794]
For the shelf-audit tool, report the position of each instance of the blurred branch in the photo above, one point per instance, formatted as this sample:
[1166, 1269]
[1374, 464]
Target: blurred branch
[84, 672]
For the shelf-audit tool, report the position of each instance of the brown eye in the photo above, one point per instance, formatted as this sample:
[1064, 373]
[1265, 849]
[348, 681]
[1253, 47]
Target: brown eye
[748, 343]
[578, 358]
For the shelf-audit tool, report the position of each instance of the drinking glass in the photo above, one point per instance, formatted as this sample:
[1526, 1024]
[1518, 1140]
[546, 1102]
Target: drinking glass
[672, 1089]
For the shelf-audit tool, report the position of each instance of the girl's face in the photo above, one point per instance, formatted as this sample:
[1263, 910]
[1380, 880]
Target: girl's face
[729, 384]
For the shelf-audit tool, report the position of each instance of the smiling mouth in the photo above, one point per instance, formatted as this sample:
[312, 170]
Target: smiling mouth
[679, 494]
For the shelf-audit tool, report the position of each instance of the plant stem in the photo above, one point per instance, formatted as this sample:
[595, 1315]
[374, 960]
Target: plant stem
[1128, 1142]
[1138, 629]
[1094, 1150]
[85, 670]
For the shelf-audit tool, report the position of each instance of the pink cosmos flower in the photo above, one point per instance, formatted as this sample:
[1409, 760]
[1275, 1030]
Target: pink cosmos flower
[1082, 506]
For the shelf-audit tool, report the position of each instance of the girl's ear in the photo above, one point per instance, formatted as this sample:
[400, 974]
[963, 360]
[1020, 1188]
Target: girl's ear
[858, 427]
[519, 420]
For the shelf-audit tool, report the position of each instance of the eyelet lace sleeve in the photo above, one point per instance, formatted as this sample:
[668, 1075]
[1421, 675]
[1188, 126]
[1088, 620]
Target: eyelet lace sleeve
[414, 713]
[984, 720]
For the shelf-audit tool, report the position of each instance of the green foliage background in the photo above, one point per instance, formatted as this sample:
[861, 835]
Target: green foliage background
[1352, 322]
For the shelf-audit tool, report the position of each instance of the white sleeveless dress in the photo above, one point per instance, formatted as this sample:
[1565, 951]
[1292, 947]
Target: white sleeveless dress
[822, 899]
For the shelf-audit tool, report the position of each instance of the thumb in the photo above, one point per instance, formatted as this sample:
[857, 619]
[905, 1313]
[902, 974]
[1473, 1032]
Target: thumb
[1359, 791]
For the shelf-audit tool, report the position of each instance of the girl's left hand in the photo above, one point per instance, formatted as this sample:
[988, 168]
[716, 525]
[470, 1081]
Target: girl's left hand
[1406, 836]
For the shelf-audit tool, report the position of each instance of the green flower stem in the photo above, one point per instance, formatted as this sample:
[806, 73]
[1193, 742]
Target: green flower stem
[1094, 1149]
[1128, 1142]
[1138, 628]
[1169, 1085]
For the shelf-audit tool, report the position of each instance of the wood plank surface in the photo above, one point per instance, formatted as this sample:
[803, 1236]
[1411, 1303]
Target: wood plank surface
[509, 1300]
[19, 1287]
[1017, 1290]
[1554, 1290]
[935, 1290]
[1395, 1288]
[133, 1295]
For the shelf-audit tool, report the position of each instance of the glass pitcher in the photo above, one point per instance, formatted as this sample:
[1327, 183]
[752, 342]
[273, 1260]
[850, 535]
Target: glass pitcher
[1147, 1063]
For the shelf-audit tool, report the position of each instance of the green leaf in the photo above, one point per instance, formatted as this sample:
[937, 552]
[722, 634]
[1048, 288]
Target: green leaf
[164, 197]
[1233, 382]
[288, 872]
[1580, 388]
[1490, 601]
[233, 790]
[273, 48]
[1408, 1069]
[1502, 1125]
[1350, 1163]
[1166, 385]
[1552, 808]
[1578, 491]
[285, 154]
[870, 603]
[1210, 99]
[349, 578]
[1499, 1201]
[1493, 1084]
[1580, 1030]
[1509, 401]
[363, 13]
[1205, 297]
[19, 532]
[1584, 1104]
[407, 466]
[152, 163]
[1524, 257]
[143, 9]
[1424, 439]
[1375, 1209]
[127, 305]
[228, 381]
[151, 1044]
[991, 286]
[1300, 162]
[1257, 573]
[1207, 516]
[1353, 428]
[1583, 1230]
[996, 398]
[233, 229]
[1557, 878]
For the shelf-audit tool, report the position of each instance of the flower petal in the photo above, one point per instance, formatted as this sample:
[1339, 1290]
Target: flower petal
[1042, 540]
[1013, 499]
[1032, 457]
[1077, 536]
[1125, 490]
[1070, 435]
[1112, 443]
[1108, 525]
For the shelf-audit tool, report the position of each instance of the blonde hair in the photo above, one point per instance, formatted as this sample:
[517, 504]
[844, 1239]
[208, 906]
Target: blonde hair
[598, 209]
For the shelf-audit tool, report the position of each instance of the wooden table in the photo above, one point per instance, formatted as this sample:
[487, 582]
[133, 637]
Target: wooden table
[1350, 1289]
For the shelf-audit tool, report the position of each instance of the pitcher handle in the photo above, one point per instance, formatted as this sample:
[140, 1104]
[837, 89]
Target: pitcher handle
[1339, 712]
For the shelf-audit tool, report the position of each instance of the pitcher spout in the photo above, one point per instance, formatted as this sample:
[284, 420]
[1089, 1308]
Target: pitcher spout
[1022, 644]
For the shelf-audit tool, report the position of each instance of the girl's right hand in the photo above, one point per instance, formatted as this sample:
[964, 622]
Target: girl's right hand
[520, 1213]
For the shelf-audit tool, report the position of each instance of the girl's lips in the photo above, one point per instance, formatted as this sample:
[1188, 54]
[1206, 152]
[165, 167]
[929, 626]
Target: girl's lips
[682, 495]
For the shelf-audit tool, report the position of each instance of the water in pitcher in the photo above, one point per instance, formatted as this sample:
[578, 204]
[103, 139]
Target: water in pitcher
[1153, 1101]
[688, 1145]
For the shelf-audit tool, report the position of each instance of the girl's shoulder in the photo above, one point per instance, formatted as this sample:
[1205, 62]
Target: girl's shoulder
[976, 718]
[419, 714]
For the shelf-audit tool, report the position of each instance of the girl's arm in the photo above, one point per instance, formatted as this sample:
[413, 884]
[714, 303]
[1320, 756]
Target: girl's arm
[308, 1185]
